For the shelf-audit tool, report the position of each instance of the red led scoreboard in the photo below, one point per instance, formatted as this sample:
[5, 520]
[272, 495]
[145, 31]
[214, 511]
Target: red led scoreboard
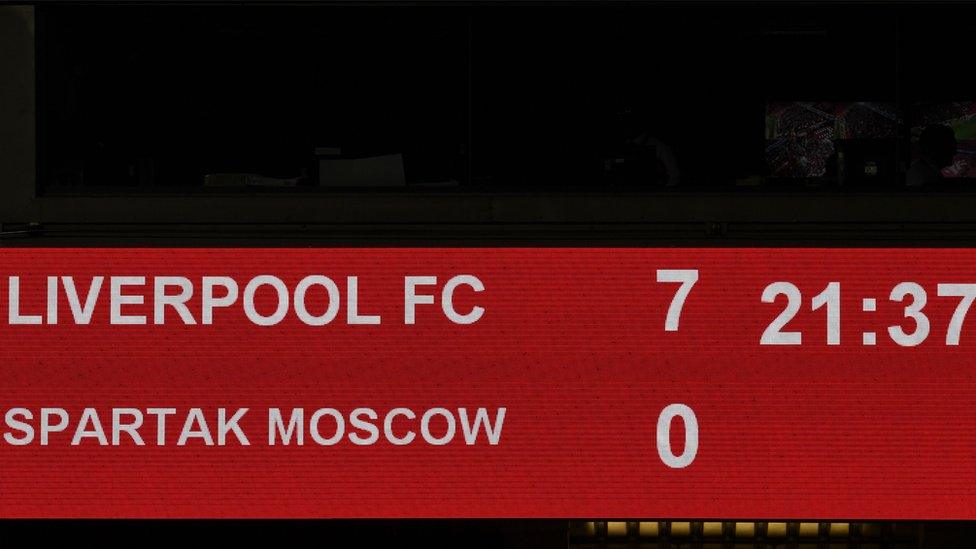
[488, 382]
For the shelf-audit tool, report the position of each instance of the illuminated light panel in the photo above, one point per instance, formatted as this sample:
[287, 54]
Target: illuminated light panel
[839, 529]
[681, 529]
[617, 529]
[776, 530]
[809, 530]
[649, 529]
[745, 529]
[712, 529]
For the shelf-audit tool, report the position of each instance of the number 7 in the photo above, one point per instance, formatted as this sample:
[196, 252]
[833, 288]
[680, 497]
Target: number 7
[687, 279]
[968, 293]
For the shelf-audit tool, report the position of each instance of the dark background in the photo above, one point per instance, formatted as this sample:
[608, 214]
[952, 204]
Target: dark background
[494, 95]
[455, 534]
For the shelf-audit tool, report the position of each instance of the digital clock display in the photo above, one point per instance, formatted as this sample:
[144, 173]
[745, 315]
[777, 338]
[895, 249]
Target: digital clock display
[830, 299]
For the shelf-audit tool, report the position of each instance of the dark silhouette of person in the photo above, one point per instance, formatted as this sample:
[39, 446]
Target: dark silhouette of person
[937, 148]
[637, 158]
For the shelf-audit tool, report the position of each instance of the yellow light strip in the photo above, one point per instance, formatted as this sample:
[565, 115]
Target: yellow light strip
[738, 531]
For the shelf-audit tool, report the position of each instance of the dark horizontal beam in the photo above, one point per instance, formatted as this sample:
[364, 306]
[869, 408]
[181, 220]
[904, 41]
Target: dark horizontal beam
[508, 208]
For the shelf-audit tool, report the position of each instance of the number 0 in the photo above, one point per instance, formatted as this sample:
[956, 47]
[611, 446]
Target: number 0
[664, 436]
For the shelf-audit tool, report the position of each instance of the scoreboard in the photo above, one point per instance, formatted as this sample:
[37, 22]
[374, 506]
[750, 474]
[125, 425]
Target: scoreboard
[773, 383]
